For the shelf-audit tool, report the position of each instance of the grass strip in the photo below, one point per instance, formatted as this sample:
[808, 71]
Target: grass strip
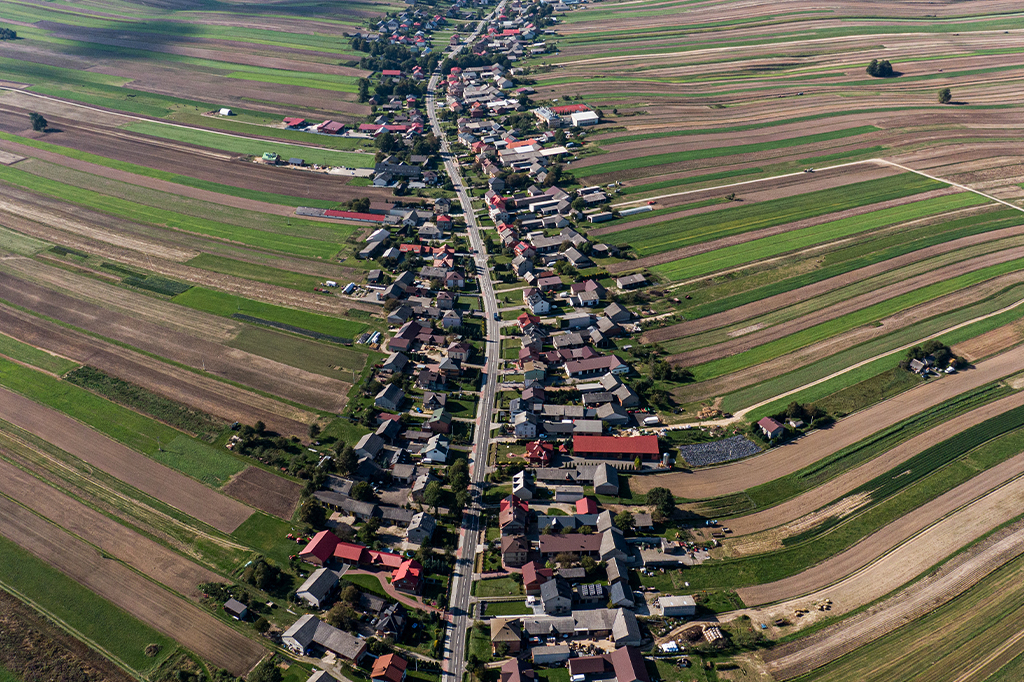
[30, 355]
[128, 210]
[768, 247]
[90, 616]
[258, 273]
[717, 152]
[227, 305]
[689, 230]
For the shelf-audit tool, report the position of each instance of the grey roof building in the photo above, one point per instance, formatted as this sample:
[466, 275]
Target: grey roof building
[318, 587]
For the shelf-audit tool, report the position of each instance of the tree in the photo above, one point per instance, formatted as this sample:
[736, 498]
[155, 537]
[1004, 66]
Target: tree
[432, 495]
[662, 500]
[260, 427]
[368, 533]
[261, 625]
[624, 521]
[342, 616]
[350, 594]
[313, 513]
[362, 491]
[517, 578]
[945, 96]
[565, 558]
[266, 671]
[314, 431]
[348, 460]
[39, 124]
[873, 68]
[588, 563]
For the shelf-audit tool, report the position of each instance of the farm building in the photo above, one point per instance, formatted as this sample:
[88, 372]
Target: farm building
[309, 630]
[611, 447]
[225, 112]
[294, 122]
[236, 609]
[296, 161]
[318, 587]
[551, 654]
[585, 118]
[678, 606]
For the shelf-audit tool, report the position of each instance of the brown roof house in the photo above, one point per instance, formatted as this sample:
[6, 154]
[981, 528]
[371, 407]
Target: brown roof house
[515, 549]
[506, 632]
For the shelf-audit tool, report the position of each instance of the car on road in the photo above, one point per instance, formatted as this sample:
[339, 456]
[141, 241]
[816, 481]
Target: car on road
[497, 316]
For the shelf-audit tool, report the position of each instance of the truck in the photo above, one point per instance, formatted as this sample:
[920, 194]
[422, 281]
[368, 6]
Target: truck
[651, 421]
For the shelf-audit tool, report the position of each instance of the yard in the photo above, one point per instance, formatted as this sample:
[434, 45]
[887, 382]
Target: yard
[497, 587]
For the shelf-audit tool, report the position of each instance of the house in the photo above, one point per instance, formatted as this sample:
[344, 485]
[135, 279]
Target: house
[617, 313]
[404, 474]
[514, 550]
[512, 519]
[436, 449]
[389, 398]
[517, 670]
[771, 428]
[318, 587]
[678, 607]
[606, 480]
[534, 300]
[395, 362]
[389, 619]
[321, 676]
[400, 315]
[631, 281]
[539, 453]
[613, 545]
[534, 577]
[369, 445]
[525, 425]
[451, 319]
[613, 415]
[421, 528]
[918, 366]
[420, 485]
[389, 430]
[389, 668]
[556, 597]
[408, 577]
[623, 665]
[236, 609]
[309, 630]
[460, 351]
[578, 544]
[433, 401]
[440, 422]
[507, 634]
[611, 447]
[522, 486]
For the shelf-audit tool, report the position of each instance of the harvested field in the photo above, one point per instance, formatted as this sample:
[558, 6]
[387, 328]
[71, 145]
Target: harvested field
[137, 470]
[779, 461]
[147, 556]
[791, 511]
[188, 624]
[267, 492]
[993, 342]
[150, 336]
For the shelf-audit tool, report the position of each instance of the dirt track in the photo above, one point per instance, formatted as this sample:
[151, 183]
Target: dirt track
[805, 293]
[152, 478]
[841, 485]
[203, 393]
[148, 557]
[171, 615]
[195, 351]
[786, 459]
[263, 490]
[911, 559]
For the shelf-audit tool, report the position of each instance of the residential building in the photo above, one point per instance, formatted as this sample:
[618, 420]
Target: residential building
[408, 577]
[506, 632]
[578, 544]
[309, 630]
[534, 576]
[389, 398]
[514, 550]
[421, 528]
[389, 668]
[771, 428]
[556, 597]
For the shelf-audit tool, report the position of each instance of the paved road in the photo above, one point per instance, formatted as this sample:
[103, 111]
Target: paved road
[462, 577]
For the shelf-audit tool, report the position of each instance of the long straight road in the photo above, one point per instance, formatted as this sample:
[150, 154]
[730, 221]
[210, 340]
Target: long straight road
[462, 577]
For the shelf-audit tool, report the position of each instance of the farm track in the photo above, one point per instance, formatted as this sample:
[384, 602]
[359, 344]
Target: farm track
[138, 321]
[850, 305]
[786, 459]
[795, 508]
[811, 291]
[141, 553]
[938, 587]
[773, 367]
[188, 624]
[133, 468]
[199, 392]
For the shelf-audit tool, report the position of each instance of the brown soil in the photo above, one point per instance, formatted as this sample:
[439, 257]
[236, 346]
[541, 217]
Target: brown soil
[261, 489]
[188, 624]
[990, 343]
[915, 601]
[35, 649]
[202, 393]
[140, 330]
[806, 293]
[152, 478]
[783, 460]
[148, 557]
[850, 305]
[791, 510]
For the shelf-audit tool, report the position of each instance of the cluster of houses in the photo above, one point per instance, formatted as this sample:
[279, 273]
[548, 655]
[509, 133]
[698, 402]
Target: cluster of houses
[325, 550]
[411, 28]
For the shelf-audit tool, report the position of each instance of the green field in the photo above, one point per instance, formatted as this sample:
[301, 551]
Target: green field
[266, 534]
[226, 305]
[30, 355]
[23, 245]
[259, 273]
[8, 676]
[695, 155]
[674, 234]
[312, 356]
[767, 247]
[250, 146]
[91, 617]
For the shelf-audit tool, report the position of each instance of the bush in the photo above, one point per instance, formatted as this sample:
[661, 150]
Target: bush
[880, 69]
[945, 96]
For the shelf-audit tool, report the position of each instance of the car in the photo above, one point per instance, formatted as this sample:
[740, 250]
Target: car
[808, 170]
[497, 316]
[652, 202]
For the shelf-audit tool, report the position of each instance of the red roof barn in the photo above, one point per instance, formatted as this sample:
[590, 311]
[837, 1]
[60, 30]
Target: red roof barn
[610, 447]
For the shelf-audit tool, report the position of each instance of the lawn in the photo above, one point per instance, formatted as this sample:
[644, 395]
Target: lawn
[553, 674]
[90, 616]
[8, 676]
[343, 431]
[497, 587]
[331, 360]
[739, 254]
[259, 273]
[674, 234]
[30, 355]
[649, 160]
[508, 608]
[226, 305]
[250, 146]
[370, 583]
[266, 534]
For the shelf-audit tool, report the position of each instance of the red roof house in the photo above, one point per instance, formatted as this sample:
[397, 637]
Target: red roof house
[391, 73]
[587, 505]
[386, 559]
[408, 577]
[611, 447]
[294, 122]
[389, 668]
